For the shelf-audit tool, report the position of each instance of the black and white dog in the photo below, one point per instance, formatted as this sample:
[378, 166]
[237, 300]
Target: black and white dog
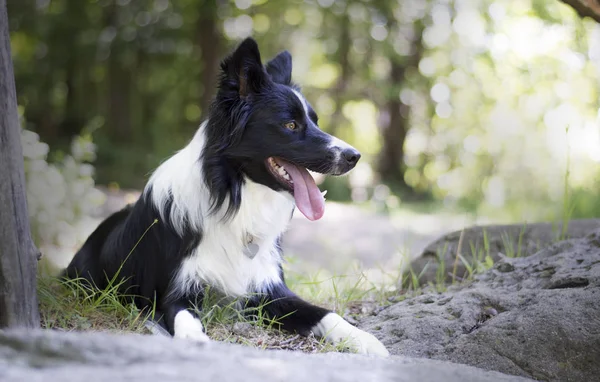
[214, 213]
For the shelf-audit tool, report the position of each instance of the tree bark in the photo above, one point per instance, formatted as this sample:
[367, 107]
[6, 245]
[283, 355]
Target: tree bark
[589, 8]
[18, 254]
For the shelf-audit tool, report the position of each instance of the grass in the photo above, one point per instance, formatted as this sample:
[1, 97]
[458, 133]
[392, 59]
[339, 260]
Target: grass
[509, 248]
[568, 205]
[73, 305]
[477, 260]
[228, 320]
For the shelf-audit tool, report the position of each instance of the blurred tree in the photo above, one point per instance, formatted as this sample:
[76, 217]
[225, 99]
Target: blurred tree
[120, 75]
[210, 42]
[391, 166]
[586, 8]
[68, 33]
[340, 89]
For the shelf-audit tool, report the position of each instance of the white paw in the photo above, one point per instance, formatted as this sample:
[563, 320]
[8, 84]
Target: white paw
[366, 343]
[338, 331]
[189, 327]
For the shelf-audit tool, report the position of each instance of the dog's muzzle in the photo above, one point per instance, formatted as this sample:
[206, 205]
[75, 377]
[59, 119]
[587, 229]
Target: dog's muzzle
[344, 156]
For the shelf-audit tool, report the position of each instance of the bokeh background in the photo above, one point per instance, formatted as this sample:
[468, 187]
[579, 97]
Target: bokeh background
[481, 107]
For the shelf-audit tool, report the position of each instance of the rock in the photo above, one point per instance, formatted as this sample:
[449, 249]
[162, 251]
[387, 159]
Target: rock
[242, 328]
[536, 316]
[59, 356]
[501, 240]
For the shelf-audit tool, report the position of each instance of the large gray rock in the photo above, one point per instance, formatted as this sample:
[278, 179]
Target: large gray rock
[509, 240]
[537, 317]
[53, 356]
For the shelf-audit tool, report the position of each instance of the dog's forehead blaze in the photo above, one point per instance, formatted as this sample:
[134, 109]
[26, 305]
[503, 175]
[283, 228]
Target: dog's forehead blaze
[302, 100]
[308, 110]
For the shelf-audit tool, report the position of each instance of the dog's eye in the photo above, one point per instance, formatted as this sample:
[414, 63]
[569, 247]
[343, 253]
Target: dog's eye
[291, 125]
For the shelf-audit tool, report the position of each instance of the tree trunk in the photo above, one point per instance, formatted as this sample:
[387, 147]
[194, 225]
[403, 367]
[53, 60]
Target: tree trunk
[209, 41]
[391, 165]
[346, 71]
[18, 254]
[391, 161]
[589, 8]
[119, 87]
[72, 120]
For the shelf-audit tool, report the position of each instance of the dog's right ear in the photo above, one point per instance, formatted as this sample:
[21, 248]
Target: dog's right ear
[280, 68]
[243, 69]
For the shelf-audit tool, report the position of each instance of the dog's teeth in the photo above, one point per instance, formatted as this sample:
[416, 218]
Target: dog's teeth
[324, 193]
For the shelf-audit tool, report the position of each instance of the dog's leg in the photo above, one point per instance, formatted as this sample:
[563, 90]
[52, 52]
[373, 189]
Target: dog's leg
[297, 315]
[182, 322]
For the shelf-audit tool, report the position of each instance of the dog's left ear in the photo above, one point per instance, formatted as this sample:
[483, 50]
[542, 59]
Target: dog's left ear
[280, 68]
[243, 69]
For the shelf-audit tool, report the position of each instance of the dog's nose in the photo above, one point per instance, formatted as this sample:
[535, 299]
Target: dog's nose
[351, 156]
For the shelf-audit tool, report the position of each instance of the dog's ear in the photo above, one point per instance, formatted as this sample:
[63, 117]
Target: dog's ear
[280, 68]
[243, 69]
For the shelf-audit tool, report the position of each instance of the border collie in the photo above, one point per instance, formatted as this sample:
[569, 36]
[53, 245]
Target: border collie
[214, 213]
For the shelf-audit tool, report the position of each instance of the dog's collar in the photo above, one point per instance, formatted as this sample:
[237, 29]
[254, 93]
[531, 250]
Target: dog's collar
[250, 247]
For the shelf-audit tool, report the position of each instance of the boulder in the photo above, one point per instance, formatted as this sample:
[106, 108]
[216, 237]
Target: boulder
[513, 240]
[58, 356]
[536, 316]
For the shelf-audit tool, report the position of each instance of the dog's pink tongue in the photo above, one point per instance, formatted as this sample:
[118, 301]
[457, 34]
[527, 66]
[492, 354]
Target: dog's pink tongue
[309, 199]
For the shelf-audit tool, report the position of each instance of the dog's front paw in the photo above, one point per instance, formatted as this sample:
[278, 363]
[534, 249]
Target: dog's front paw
[338, 331]
[366, 343]
[188, 327]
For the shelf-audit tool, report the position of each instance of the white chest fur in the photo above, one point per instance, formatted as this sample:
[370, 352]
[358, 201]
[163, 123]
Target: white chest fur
[220, 261]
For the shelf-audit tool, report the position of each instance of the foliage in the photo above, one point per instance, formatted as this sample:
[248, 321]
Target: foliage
[70, 305]
[468, 100]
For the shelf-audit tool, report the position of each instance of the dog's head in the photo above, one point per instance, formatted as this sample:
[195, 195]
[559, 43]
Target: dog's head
[262, 127]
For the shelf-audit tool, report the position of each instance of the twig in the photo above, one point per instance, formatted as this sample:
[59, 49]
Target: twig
[289, 340]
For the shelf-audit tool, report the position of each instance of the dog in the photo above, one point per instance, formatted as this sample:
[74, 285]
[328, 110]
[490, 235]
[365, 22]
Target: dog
[214, 213]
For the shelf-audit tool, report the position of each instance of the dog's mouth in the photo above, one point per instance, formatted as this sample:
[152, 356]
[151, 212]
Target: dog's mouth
[298, 181]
